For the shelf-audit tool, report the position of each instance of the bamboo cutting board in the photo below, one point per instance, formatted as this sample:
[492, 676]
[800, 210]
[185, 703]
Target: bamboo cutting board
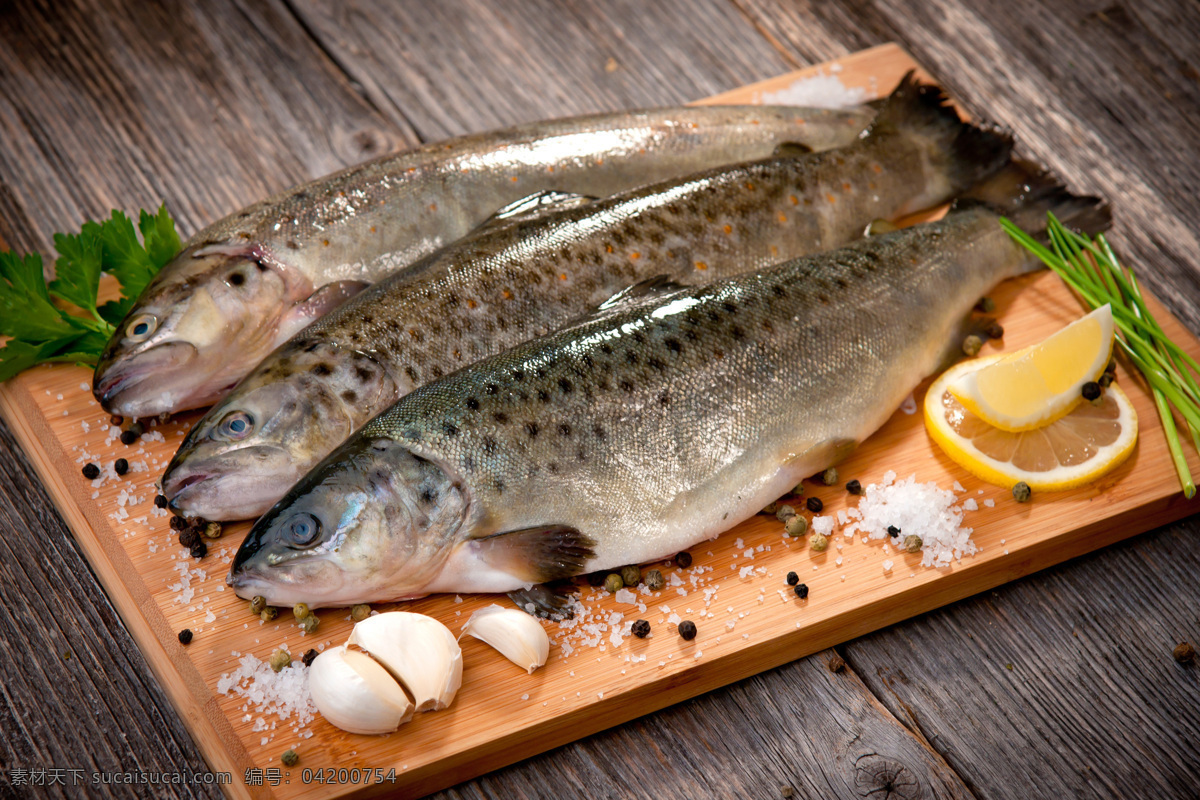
[501, 715]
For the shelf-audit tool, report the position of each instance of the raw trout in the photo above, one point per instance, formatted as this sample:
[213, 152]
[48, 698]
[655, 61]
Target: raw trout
[246, 283]
[665, 421]
[516, 279]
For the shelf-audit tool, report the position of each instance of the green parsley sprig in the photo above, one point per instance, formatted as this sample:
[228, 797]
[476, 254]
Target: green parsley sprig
[1090, 267]
[41, 329]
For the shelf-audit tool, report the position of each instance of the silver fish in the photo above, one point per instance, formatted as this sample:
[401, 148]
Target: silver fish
[525, 276]
[669, 420]
[246, 283]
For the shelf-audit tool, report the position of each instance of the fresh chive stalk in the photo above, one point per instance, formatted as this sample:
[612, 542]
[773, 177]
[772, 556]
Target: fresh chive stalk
[1091, 269]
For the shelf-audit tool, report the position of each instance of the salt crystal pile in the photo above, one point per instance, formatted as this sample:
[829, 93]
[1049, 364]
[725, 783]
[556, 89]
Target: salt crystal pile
[915, 508]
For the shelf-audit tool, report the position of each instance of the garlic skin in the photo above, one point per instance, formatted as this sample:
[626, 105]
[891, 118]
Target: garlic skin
[519, 637]
[418, 651]
[356, 694]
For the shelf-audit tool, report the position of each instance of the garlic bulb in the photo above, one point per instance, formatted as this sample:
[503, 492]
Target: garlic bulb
[519, 637]
[356, 694]
[418, 651]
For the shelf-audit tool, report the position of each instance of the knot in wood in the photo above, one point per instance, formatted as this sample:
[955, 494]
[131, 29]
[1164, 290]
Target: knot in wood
[881, 778]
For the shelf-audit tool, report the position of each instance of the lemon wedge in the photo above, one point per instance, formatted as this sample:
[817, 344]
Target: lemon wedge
[1035, 386]
[1073, 450]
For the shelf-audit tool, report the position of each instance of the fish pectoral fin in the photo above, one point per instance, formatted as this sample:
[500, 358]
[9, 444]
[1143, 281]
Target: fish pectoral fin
[320, 303]
[878, 227]
[535, 205]
[792, 150]
[537, 555]
[543, 602]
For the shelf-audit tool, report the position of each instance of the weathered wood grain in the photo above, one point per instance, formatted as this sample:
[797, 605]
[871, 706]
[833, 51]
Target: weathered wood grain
[464, 65]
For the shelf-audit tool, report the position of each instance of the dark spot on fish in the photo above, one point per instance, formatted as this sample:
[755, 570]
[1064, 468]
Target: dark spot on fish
[321, 369]
[355, 337]
[412, 433]
[655, 364]
[489, 445]
[588, 362]
[540, 372]
[426, 496]
[606, 349]
[451, 299]
[626, 386]
[363, 374]
[639, 337]
[472, 404]
[767, 326]
[468, 463]
[350, 396]
[779, 291]
[543, 395]
[824, 299]
[581, 455]
[532, 429]
[498, 485]
[300, 195]
[673, 345]
[491, 388]
[518, 375]
[411, 373]
[450, 428]
[500, 417]
[631, 357]
[598, 430]
[438, 372]
[664, 398]
[564, 429]
[729, 307]
[565, 385]
[602, 384]
[713, 316]
[290, 245]
[841, 283]
[553, 467]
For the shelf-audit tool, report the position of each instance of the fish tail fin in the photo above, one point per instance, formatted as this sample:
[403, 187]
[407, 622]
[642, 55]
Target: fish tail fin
[1025, 192]
[961, 154]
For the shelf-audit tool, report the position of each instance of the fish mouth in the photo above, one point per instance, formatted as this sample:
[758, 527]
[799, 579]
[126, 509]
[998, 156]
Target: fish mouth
[229, 487]
[145, 384]
[286, 586]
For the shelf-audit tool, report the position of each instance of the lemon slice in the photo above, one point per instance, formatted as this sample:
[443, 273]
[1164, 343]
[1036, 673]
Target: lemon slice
[1076, 449]
[1035, 386]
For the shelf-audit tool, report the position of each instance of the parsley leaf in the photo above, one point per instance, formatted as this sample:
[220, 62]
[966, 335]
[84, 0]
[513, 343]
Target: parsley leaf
[77, 271]
[158, 232]
[25, 308]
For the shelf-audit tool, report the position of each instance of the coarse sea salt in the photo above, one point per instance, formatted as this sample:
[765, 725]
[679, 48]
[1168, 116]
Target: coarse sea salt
[818, 91]
[284, 694]
[919, 507]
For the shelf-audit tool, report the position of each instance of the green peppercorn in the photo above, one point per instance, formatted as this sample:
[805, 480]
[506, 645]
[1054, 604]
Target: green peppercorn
[213, 530]
[641, 629]
[819, 542]
[792, 579]
[784, 513]
[310, 623]
[269, 614]
[309, 656]
[814, 504]
[683, 559]
[613, 583]
[300, 611]
[655, 580]
[829, 477]
[631, 575]
[770, 508]
[280, 659]
[798, 489]
[289, 758]
[985, 305]
[121, 466]
[1111, 369]
[795, 526]
[1021, 492]
[854, 487]
[912, 543]
[1104, 381]
[258, 604]
[185, 636]
[801, 590]
[687, 629]
[972, 345]
[137, 428]
[360, 612]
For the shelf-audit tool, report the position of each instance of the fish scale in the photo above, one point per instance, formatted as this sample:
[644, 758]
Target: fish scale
[660, 422]
[517, 279]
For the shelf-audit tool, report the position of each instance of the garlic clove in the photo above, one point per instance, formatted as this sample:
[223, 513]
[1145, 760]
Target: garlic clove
[418, 651]
[519, 637]
[356, 694]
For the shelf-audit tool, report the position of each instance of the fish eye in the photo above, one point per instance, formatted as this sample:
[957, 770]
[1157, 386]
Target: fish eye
[140, 327]
[303, 529]
[236, 425]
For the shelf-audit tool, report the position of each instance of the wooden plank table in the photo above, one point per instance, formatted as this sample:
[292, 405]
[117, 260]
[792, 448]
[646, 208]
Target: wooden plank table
[259, 97]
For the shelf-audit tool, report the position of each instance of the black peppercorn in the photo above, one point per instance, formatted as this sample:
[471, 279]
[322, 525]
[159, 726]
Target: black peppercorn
[683, 560]
[121, 466]
[128, 437]
[1105, 380]
[178, 523]
[641, 629]
[199, 549]
[801, 591]
[188, 537]
[160, 501]
[308, 657]
[687, 629]
[185, 636]
[596, 578]
[893, 531]
[91, 471]
[854, 487]
[836, 663]
[995, 330]
[792, 579]
[1091, 391]
[814, 504]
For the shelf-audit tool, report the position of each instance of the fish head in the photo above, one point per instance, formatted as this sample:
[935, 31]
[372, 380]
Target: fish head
[373, 522]
[193, 329]
[296, 406]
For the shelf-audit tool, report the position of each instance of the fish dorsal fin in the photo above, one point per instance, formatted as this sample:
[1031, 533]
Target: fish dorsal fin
[792, 150]
[532, 206]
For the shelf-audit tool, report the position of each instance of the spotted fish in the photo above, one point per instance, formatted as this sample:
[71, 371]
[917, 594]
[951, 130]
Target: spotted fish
[536, 268]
